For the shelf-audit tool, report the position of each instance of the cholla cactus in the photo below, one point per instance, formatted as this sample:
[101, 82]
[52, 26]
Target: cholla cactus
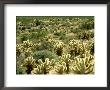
[43, 67]
[19, 49]
[29, 44]
[77, 47]
[26, 47]
[83, 65]
[91, 47]
[60, 68]
[84, 35]
[66, 59]
[73, 47]
[29, 63]
[59, 46]
[56, 45]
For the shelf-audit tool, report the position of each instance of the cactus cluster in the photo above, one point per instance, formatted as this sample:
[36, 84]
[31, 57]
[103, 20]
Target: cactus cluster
[55, 45]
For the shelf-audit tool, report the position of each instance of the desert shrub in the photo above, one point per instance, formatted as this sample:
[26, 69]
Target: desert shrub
[87, 25]
[41, 33]
[37, 22]
[84, 35]
[44, 54]
[68, 38]
[20, 70]
[34, 35]
[62, 37]
[45, 46]
[76, 30]
[24, 36]
[61, 34]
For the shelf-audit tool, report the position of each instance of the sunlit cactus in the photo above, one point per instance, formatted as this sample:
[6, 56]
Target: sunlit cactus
[77, 48]
[91, 47]
[83, 65]
[59, 46]
[26, 47]
[29, 44]
[19, 49]
[55, 45]
[60, 68]
[73, 48]
[66, 59]
[43, 67]
[30, 64]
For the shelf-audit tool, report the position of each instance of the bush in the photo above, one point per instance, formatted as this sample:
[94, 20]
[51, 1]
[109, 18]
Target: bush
[87, 25]
[76, 30]
[24, 36]
[84, 35]
[44, 54]
[60, 33]
[20, 70]
[37, 22]
[41, 33]
[45, 46]
[37, 35]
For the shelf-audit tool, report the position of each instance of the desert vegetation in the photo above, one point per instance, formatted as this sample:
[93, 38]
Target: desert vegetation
[55, 45]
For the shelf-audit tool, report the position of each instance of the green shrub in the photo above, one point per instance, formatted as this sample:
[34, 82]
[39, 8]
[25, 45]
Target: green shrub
[44, 54]
[24, 36]
[76, 30]
[87, 25]
[45, 46]
[84, 35]
[41, 33]
[37, 22]
[61, 33]
[20, 70]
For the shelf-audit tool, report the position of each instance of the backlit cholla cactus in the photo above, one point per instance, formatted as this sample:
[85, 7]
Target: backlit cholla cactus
[60, 68]
[19, 49]
[26, 47]
[51, 40]
[29, 44]
[29, 63]
[91, 47]
[77, 48]
[83, 65]
[68, 62]
[44, 67]
[73, 47]
[59, 47]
